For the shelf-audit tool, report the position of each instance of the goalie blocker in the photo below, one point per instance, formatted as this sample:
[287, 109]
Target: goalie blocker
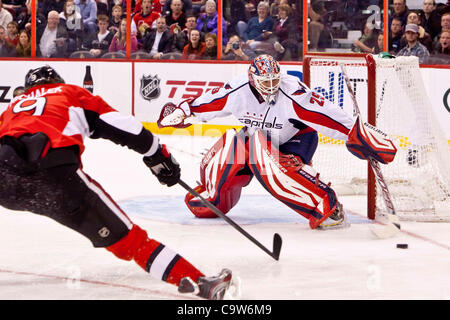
[365, 142]
[236, 158]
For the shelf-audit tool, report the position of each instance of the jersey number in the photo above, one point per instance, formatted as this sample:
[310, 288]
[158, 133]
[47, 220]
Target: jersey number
[316, 98]
[36, 104]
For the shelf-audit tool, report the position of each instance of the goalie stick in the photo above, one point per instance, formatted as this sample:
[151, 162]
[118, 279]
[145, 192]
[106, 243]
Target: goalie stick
[277, 241]
[393, 225]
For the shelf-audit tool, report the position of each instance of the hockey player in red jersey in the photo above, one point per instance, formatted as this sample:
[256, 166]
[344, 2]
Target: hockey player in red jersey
[41, 143]
[281, 117]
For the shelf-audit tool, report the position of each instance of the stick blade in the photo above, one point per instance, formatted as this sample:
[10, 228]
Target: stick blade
[391, 229]
[277, 242]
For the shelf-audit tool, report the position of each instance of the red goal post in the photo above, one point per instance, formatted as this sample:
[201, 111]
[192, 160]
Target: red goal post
[364, 61]
[392, 96]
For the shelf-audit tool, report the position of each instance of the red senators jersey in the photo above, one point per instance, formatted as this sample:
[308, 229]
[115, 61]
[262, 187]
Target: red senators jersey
[67, 114]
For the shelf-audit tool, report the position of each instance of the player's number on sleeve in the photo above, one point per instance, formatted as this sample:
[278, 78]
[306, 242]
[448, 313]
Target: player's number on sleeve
[36, 104]
[316, 98]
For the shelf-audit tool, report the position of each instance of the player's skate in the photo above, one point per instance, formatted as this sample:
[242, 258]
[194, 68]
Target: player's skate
[211, 288]
[336, 220]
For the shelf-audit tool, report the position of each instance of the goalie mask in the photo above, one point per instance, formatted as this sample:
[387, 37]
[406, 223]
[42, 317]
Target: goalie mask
[42, 75]
[264, 75]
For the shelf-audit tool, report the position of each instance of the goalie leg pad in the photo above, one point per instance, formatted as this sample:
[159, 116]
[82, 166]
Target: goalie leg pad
[225, 199]
[298, 188]
[366, 141]
[221, 181]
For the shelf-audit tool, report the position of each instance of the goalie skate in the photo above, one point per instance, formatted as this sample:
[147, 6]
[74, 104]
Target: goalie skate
[211, 288]
[337, 220]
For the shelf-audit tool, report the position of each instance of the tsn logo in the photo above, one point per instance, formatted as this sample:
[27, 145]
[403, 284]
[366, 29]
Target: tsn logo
[190, 89]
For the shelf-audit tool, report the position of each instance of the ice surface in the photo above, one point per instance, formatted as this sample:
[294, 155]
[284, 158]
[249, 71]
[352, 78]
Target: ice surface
[43, 260]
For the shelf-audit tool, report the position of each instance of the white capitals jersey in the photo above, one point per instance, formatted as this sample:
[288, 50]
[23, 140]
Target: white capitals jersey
[296, 108]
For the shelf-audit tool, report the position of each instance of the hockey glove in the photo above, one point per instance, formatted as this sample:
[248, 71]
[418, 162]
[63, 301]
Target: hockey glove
[365, 141]
[163, 165]
[174, 116]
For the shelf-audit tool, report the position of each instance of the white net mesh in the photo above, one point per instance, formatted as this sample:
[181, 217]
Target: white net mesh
[419, 177]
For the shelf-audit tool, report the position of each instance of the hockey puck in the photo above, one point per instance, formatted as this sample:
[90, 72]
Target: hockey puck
[402, 246]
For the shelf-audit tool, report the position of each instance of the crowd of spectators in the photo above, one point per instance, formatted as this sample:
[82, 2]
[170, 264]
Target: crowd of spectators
[188, 29]
[415, 31]
[158, 27]
[421, 32]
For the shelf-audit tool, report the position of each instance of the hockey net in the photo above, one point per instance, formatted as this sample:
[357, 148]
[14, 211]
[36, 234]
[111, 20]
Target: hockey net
[392, 96]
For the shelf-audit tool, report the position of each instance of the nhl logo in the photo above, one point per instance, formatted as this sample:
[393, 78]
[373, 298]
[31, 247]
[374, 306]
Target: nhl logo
[150, 87]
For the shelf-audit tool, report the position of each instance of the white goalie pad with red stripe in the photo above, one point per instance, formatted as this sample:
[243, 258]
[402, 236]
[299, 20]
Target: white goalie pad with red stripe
[365, 141]
[223, 160]
[298, 188]
[219, 183]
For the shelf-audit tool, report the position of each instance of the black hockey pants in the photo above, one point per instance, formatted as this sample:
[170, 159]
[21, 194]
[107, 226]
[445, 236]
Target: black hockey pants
[56, 187]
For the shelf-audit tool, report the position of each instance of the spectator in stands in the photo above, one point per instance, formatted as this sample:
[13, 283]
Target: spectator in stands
[157, 6]
[414, 47]
[431, 19]
[400, 11]
[197, 6]
[73, 21]
[258, 28]
[187, 6]
[443, 49]
[315, 26]
[45, 6]
[123, 4]
[367, 41]
[195, 48]
[12, 33]
[286, 31]
[23, 48]
[14, 5]
[424, 37]
[5, 16]
[378, 45]
[99, 43]
[176, 16]
[234, 50]
[273, 9]
[207, 22]
[238, 12]
[445, 25]
[6, 49]
[158, 41]
[119, 41]
[145, 18]
[102, 7]
[88, 11]
[52, 38]
[116, 18]
[210, 47]
[395, 36]
[24, 18]
[181, 37]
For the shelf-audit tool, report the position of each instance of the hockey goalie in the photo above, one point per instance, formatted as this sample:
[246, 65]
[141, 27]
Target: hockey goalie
[281, 118]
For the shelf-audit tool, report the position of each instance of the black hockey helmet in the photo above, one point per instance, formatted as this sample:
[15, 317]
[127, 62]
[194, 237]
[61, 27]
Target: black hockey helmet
[42, 75]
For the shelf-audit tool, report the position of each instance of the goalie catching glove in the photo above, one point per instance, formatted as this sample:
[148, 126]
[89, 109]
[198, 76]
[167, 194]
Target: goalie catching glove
[163, 166]
[365, 142]
[174, 116]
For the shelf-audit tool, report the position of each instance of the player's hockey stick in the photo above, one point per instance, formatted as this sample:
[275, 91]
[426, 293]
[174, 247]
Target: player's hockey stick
[277, 241]
[393, 226]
